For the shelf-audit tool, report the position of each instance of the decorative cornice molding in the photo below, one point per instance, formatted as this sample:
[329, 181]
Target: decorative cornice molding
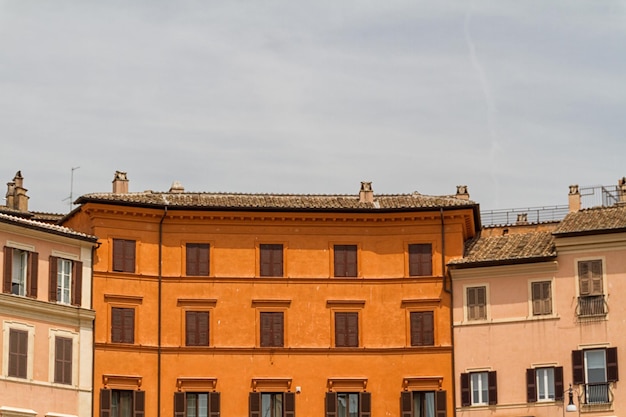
[46, 311]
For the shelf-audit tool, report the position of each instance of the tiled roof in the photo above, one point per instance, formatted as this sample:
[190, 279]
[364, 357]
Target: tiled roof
[45, 227]
[216, 201]
[507, 249]
[594, 220]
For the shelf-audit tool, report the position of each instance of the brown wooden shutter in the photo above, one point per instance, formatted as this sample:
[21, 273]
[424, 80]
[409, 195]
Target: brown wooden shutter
[422, 328]
[203, 259]
[118, 255]
[420, 259]
[493, 387]
[116, 325]
[53, 278]
[345, 260]
[139, 403]
[330, 404]
[192, 259]
[353, 329]
[406, 404]
[254, 404]
[105, 402]
[214, 404]
[18, 353]
[277, 329]
[612, 373]
[271, 260]
[33, 274]
[191, 330]
[441, 403]
[63, 360]
[531, 385]
[340, 330]
[466, 394]
[559, 386]
[77, 283]
[179, 404]
[203, 328]
[266, 330]
[129, 325]
[124, 255]
[8, 270]
[365, 404]
[289, 403]
[129, 256]
[351, 264]
[578, 367]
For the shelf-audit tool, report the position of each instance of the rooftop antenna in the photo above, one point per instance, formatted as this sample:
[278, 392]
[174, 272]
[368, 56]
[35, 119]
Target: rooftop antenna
[71, 197]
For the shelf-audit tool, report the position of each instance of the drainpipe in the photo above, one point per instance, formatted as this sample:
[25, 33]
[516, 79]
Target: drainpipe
[159, 311]
[449, 291]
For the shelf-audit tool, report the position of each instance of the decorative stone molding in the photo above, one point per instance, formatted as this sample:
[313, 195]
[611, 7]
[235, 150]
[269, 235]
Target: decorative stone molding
[196, 384]
[347, 384]
[271, 384]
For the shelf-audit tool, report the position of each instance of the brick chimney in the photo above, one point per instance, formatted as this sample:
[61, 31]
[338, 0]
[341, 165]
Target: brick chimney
[366, 195]
[574, 198]
[462, 193]
[120, 183]
[16, 194]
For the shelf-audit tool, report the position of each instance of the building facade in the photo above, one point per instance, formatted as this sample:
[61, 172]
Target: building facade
[46, 340]
[274, 305]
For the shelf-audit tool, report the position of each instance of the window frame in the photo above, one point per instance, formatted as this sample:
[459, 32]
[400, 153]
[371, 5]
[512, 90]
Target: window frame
[124, 255]
[29, 272]
[467, 388]
[271, 260]
[580, 369]
[348, 339]
[126, 336]
[331, 403]
[591, 301]
[466, 306]
[267, 322]
[420, 262]
[108, 396]
[29, 329]
[181, 405]
[255, 403]
[533, 391]
[416, 337]
[343, 265]
[407, 403]
[198, 333]
[198, 264]
[538, 307]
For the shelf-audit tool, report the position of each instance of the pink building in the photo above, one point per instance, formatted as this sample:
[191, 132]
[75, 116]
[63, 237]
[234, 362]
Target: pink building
[46, 320]
[537, 310]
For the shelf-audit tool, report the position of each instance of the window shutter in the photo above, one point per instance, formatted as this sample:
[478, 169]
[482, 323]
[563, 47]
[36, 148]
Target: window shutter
[129, 325]
[493, 388]
[129, 256]
[351, 261]
[203, 328]
[578, 367]
[420, 259]
[277, 329]
[271, 260]
[428, 331]
[8, 270]
[203, 259]
[105, 402]
[596, 277]
[466, 397]
[18, 353]
[254, 404]
[365, 404]
[33, 274]
[531, 386]
[118, 255]
[353, 329]
[289, 403]
[62, 360]
[266, 329]
[612, 374]
[340, 330]
[179, 404]
[139, 403]
[331, 404]
[441, 403]
[77, 283]
[192, 259]
[190, 328]
[52, 278]
[406, 404]
[340, 261]
[214, 404]
[116, 325]
[345, 260]
[559, 386]
[266, 262]
[277, 260]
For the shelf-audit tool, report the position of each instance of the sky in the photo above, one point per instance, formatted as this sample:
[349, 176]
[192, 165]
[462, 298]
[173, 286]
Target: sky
[515, 99]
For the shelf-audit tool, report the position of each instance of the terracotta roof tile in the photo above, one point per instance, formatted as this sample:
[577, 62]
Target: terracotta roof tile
[594, 220]
[507, 249]
[45, 227]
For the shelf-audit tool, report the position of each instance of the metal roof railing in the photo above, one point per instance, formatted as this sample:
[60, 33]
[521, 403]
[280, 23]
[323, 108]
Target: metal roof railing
[523, 215]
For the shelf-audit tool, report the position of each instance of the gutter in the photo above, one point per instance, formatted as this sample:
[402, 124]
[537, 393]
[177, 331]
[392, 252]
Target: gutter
[159, 348]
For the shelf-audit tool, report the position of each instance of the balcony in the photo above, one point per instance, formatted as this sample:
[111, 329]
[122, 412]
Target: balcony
[596, 396]
[592, 306]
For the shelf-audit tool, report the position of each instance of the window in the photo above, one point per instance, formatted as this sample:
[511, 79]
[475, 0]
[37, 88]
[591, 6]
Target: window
[18, 353]
[272, 329]
[123, 255]
[479, 388]
[541, 298]
[595, 369]
[63, 347]
[196, 404]
[590, 283]
[122, 325]
[20, 272]
[345, 261]
[423, 404]
[348, 404]
[197, 259]
[122, 403]
[272, 404]
[271, 260]
[544, 384]
[346, 329]
[420, 259]
[476, 303]
[65, 282]
[197, 328]
[422, 328]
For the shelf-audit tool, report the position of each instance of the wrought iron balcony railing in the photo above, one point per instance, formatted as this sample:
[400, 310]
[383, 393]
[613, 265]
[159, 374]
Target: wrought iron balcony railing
[597, 393]
[592, 306]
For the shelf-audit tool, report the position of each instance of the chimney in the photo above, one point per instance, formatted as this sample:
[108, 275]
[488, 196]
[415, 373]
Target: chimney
[621, 190]
[461, 192]
[177, 187]
[574, 198]
[120, 183]
[10, 194]
[522, 218]
[16, 194]
[366, 195]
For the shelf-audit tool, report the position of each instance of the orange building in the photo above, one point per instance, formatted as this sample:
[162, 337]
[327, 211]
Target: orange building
[273, 305]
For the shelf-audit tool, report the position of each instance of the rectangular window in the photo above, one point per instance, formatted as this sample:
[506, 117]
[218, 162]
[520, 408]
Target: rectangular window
[122, 325]
[423, 404]
[345, 260]
[595, 370]
[271, 260]
[477, 303]
[63, 360]
[590, 282]
[20, 272]
[272, 404]
[479, 388]
[422, 328]
[122, 403]
[542, 298]
[197, 328]
[65, 281]
[420, 259]
[18, 353]
[196, 404]
[346, 329]
[124, 255]
[20, 268]
[272, 329]
[197, 259]
[348, 404]
[545, 384]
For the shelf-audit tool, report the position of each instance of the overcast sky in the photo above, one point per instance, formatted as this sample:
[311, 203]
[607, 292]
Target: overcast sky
[515, 99]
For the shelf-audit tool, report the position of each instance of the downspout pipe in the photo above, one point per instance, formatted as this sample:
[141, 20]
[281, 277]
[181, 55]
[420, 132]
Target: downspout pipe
[159, 314]
[449, 291]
